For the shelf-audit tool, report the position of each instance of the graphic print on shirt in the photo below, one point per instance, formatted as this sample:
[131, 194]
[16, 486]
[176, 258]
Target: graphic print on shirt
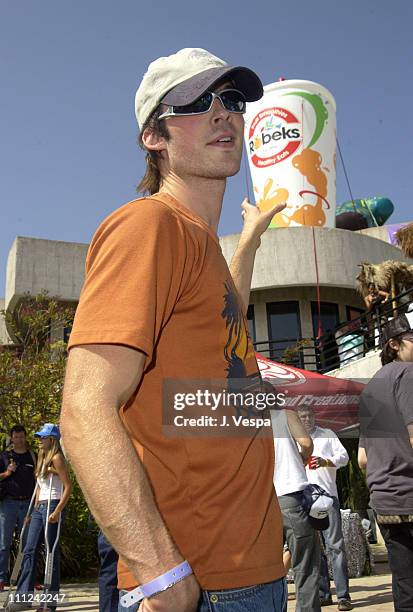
[238, 348]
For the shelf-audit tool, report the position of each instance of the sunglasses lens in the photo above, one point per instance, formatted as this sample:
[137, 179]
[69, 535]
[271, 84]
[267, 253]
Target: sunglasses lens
[233, 100]
[199, 106]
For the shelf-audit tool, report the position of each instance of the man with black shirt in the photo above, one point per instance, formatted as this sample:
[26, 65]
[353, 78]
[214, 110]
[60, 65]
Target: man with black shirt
[17, 484]
[386, 452]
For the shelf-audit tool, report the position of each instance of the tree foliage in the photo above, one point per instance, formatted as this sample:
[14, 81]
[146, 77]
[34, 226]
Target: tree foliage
[32, 369]
[31, 384]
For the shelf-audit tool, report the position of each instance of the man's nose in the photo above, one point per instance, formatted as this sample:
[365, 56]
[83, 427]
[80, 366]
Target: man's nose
[218, 110]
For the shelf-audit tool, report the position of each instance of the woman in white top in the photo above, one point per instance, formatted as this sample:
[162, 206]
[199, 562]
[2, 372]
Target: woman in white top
[53, 483]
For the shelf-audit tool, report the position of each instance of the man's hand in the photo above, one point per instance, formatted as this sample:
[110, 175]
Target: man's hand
[12, 467]
[317, 462]
[182, 597]
[241, 267]
[257, 221]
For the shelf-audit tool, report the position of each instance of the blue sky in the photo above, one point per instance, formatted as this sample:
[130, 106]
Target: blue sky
[69, 71]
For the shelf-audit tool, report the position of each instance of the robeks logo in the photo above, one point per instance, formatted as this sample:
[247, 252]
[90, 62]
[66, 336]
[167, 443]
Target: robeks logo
[274, 135]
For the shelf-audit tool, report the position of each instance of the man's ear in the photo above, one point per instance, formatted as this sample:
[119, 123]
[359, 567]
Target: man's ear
[394, 344]
[153, 141]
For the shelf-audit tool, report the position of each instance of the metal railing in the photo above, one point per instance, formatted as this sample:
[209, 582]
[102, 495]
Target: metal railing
[347, 342]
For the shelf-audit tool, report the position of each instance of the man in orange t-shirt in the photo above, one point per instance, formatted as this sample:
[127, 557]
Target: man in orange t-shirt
[193, 516]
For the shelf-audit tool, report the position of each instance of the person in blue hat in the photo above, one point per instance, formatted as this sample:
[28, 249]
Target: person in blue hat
[53, 483]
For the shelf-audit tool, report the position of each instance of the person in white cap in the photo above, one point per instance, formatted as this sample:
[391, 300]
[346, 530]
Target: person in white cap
[194, 519]
[386, 452]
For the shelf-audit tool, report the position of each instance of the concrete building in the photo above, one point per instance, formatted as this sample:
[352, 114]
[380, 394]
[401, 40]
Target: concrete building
[4, 336]
[292, 265]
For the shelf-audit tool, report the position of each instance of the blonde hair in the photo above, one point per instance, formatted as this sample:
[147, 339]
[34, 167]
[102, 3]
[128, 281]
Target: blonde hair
[45, 460]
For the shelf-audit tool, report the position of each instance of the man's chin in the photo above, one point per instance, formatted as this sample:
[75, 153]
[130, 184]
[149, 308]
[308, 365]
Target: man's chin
[230, 169]
[220, 171]
[234, 172]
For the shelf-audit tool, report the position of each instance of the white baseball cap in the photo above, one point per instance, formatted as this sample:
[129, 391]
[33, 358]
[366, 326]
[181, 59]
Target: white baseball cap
[318, 503]
[183, 77]
[321, 507]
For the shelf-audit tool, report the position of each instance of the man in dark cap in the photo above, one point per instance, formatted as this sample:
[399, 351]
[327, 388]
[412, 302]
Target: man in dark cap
[386, 451]
[195, 520]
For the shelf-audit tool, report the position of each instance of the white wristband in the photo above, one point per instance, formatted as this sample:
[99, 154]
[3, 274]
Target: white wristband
[163, 582]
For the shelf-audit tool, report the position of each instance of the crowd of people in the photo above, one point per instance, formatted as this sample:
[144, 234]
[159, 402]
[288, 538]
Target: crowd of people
[44, 477]
[34, 492]
[199, 523]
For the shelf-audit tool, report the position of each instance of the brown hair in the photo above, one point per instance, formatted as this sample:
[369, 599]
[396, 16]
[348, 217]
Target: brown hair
[388, 354]
[151, 181]
[305, 408]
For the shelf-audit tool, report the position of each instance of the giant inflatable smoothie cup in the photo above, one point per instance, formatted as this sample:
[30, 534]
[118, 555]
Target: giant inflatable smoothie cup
[290, 135]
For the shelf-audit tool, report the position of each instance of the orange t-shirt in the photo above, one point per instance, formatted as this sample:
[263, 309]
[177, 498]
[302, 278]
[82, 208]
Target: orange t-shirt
[156, 280]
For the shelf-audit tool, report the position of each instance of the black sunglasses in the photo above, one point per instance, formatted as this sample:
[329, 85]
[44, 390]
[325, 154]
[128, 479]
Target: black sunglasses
[231, 99]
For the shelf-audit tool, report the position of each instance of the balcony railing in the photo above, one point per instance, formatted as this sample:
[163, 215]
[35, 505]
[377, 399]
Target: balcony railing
[335, 348]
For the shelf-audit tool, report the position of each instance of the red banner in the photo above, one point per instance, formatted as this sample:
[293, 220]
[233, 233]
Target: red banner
[334, 400]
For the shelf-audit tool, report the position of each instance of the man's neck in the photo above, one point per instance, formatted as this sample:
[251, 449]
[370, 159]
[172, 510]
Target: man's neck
[202, 196]
[20, 450]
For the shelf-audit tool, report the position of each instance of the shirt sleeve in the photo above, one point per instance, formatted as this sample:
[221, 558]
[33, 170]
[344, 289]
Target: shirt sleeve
[404, 394]
[339, 455]
[134, 275]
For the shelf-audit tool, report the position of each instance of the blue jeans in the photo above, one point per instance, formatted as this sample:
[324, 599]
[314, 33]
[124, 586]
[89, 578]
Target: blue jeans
[36, 530]
[12, 513]
[334, 544]
[268, 597]
[108, 577]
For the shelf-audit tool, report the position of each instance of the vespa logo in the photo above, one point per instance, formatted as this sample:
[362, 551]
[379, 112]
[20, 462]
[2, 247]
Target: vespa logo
[273, 137]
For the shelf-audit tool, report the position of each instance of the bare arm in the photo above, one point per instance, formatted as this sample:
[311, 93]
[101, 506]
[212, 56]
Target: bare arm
[385, 295]
[99, 380]
[410, 429]
[60, 468]
[242, 263]
[10, 469]
[299, 434]
[362, 458]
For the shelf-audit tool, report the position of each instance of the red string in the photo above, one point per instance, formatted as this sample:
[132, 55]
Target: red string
[319, 327]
